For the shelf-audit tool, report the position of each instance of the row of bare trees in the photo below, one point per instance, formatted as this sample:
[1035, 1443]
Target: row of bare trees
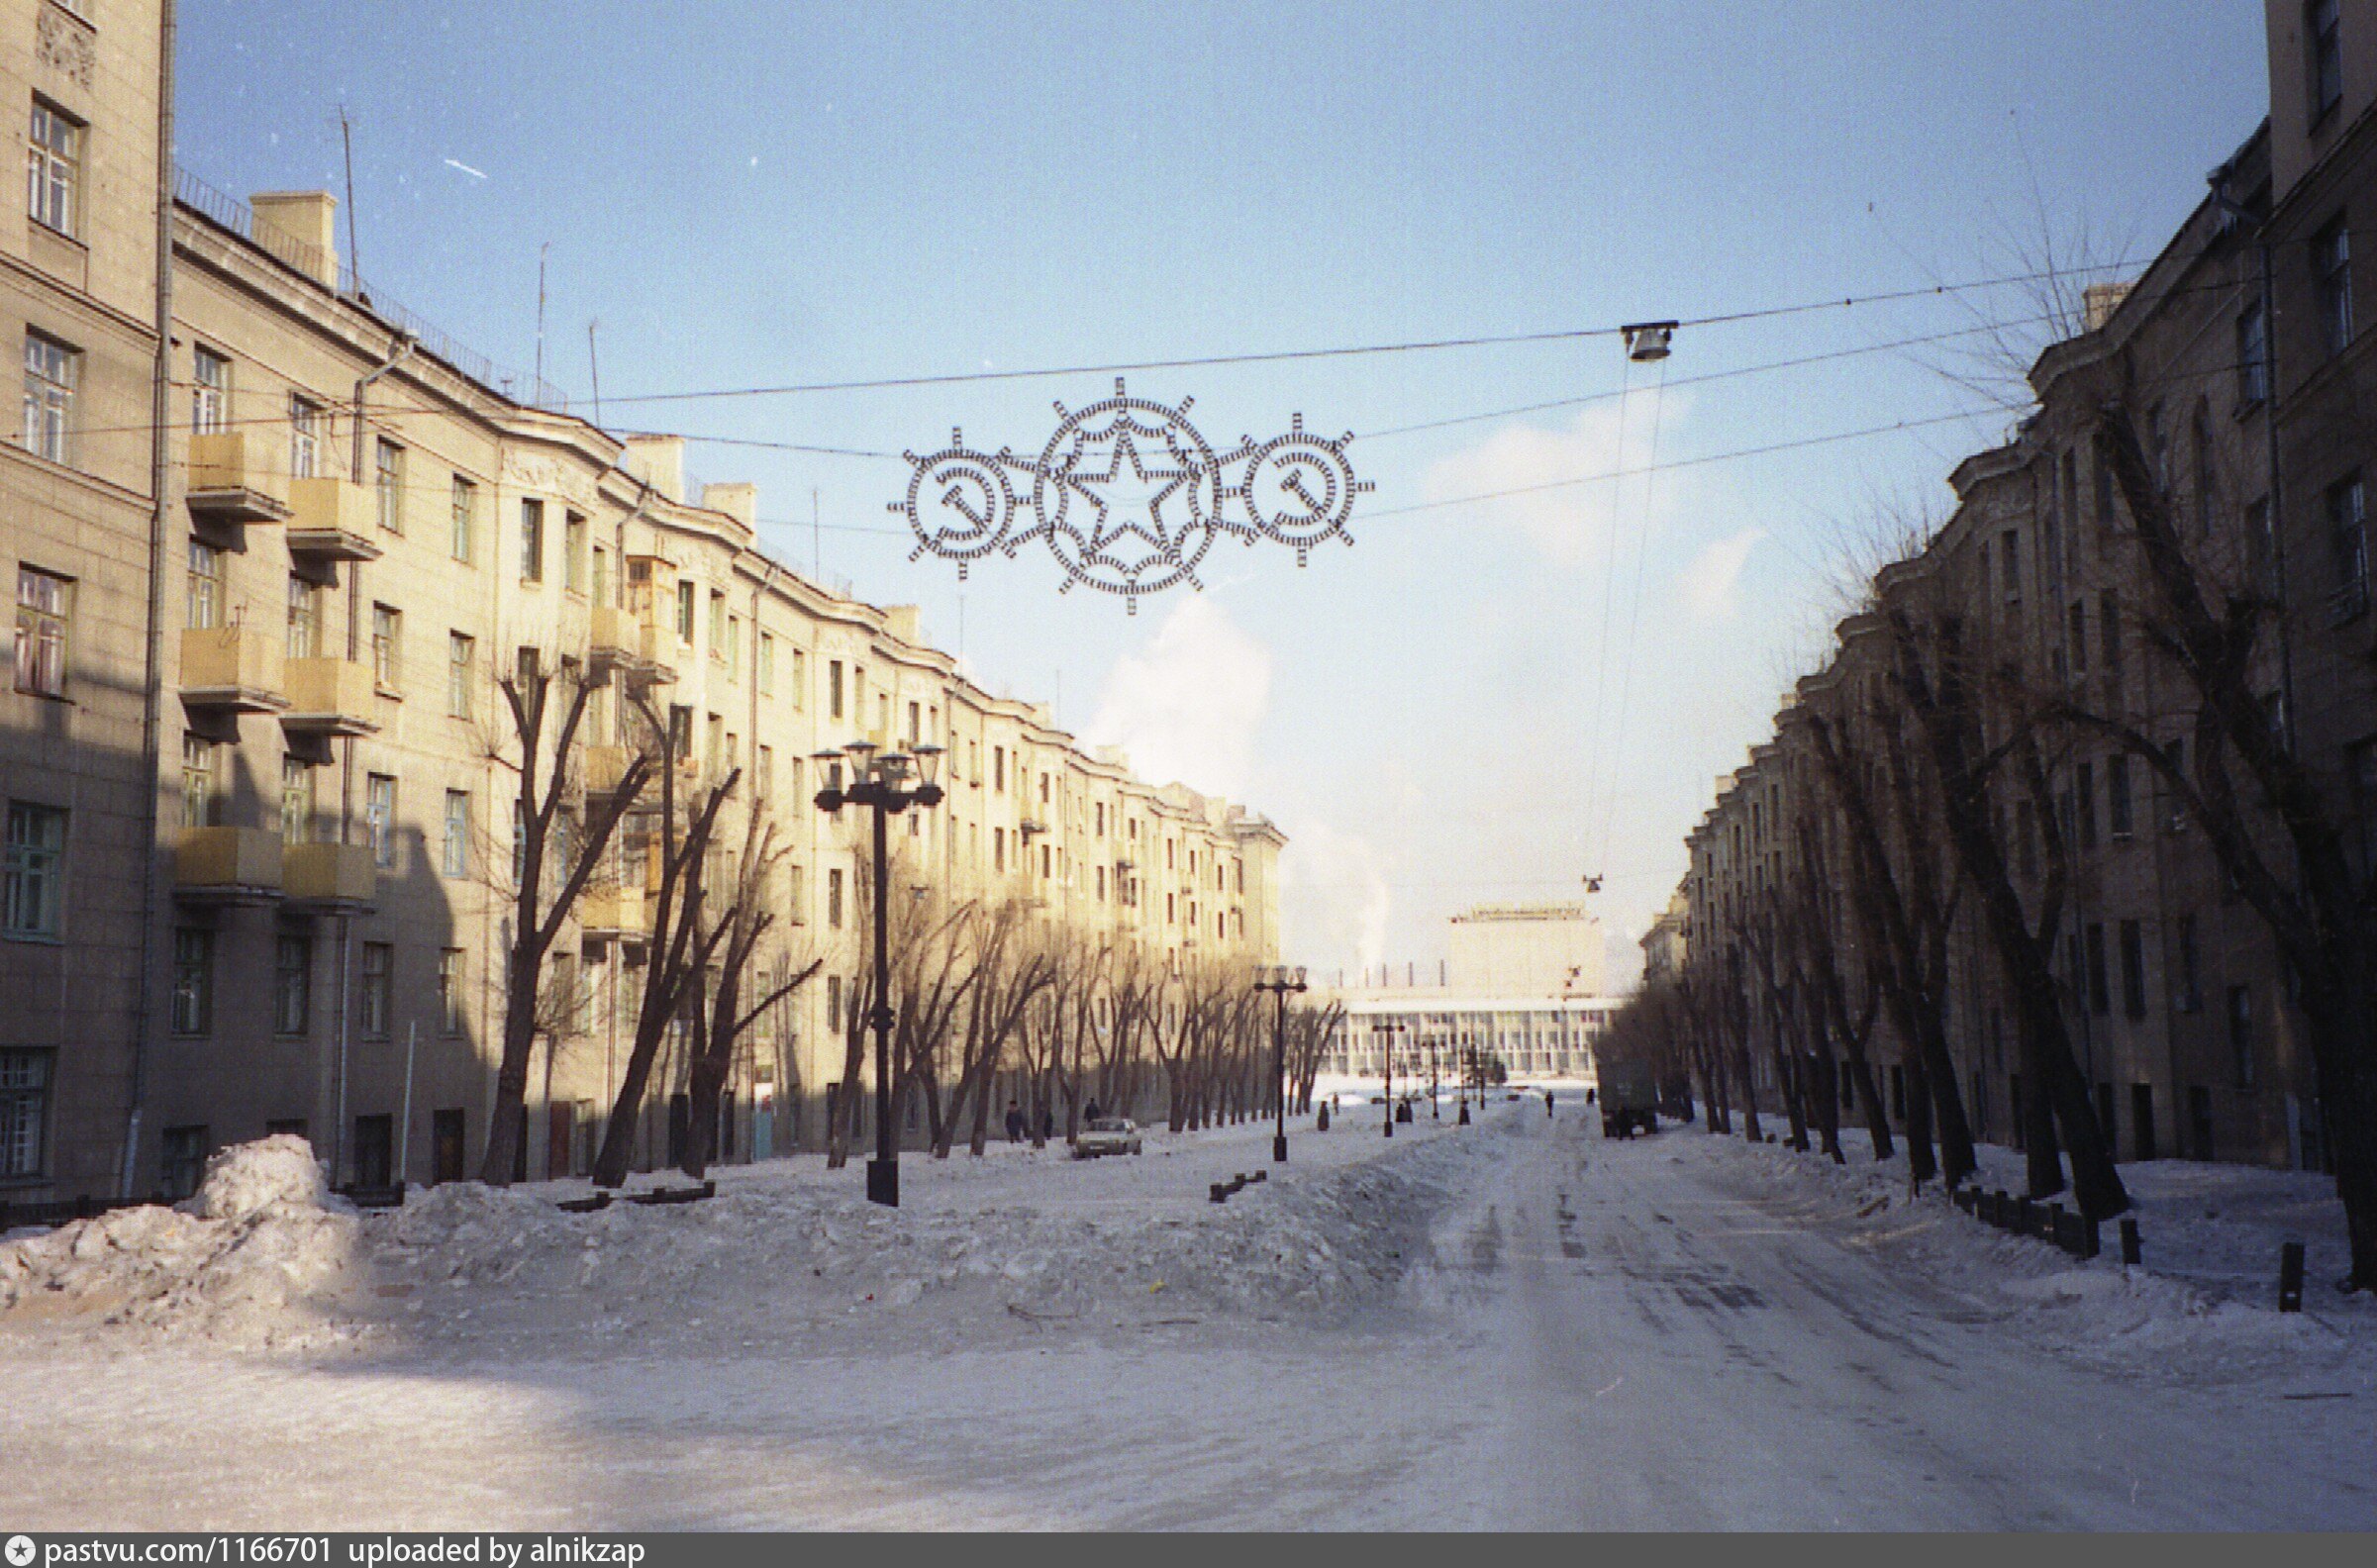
[1921, 828]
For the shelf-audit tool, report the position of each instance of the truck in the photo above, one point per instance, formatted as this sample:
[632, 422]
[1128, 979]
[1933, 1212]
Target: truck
[1629, 1099]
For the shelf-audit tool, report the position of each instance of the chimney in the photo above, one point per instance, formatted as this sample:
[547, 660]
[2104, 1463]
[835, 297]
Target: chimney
[738, 501]
[2098, 301]
[302, 228]
[904, 622]
[660, 461]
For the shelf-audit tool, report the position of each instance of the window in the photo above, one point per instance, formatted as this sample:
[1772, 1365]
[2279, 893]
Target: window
[210, 391]
[183, 1160]
[35, 892]
[463, 521]
[998, 769]
[387, 646]
[2347, 549]
[733, 647]
[573, 552]
[51, 369]
[2204, 480]
[763, 774]
[2323, 56]
[2116, 793]
[52, 169]
[304, 618]
[2240, 1033]
[833, 1005]
[2101, 463]
[204, 607]
[198, 790]
[717, 625]
[834, 688]
[532, 542]
[2133, 969]
[44, 619]
[800, 679]
[461, 656]
[372, 994]
[292, 983]
[379, 817]
[998, 848]
[767, 664]
[686, 613]
[2077, 640]
[2331, 273]
[305, 436]
[2253, 355]
[24, 1112]
[388, 484]
[193, 1003]
[449, 990]
[296, 801]
[2108, 631]
[2009, 558]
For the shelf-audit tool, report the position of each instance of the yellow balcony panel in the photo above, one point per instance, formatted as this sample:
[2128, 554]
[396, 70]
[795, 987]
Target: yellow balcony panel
[613, 912]
[227, 865]
[329, 697]
[239, 477]
[606, 765]
[332, 519]
[625, 641]
[331, 877]
[231, 668]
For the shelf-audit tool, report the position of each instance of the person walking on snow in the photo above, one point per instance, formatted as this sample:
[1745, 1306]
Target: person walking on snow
[1015, 1123]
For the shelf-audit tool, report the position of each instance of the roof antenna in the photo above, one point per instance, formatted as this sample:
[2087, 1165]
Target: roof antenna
[536, 392]
[354, 251]
[594, 367]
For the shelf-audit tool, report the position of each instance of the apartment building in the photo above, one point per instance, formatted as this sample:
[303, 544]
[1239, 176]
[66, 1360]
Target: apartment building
[2237, 352]
[361, 537]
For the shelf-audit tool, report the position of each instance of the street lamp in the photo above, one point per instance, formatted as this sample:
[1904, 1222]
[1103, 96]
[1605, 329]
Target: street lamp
[1434, 1115]
[1280, 981]
[889, 783]
[1390, 1030]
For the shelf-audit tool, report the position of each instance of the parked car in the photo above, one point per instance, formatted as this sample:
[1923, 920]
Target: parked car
[1107, 1136]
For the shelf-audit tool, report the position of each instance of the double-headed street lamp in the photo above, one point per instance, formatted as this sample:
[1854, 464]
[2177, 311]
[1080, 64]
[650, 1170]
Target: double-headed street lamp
[890, 782]
[1281, 981]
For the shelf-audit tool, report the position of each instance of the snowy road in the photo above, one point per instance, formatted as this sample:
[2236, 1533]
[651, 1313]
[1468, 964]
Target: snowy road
[1584, 1335]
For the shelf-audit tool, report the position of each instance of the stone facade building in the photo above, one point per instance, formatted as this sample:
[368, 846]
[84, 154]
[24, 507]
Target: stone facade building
[2237, 352]
[359, 536]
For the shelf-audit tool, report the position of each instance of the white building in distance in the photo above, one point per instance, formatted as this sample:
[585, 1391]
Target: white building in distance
[1521, 986]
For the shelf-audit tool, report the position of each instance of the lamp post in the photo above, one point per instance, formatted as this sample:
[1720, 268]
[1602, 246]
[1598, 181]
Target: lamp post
[1389, 1030]
[889, 784]
[1434, 1115]
[1460, 1065]
[1281, 981]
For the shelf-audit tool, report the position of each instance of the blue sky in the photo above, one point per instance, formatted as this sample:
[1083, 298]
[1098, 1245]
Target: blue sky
[1447, 712]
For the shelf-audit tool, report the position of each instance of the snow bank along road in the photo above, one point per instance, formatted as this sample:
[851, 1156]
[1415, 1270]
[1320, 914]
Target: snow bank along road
[1511, 1325]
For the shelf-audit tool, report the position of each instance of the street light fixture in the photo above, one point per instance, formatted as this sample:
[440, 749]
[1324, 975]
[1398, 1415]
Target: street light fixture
[888, 784]
[1281, 981]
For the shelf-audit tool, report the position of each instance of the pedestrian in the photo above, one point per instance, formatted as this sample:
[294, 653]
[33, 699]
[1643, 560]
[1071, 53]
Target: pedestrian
[1090, 1111]
[1547, 1102]
[1047, 1124]
[1015, 1123]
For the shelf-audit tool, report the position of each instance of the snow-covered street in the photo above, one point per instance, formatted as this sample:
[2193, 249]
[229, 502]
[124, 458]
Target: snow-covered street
[1517, 1324]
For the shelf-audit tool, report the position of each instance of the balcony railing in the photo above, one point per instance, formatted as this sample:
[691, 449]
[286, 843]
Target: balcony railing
[330, 877]
[231, 668]
[329, 697]
[613, 912]
[227, 865]
[239, 476]
[332, 519]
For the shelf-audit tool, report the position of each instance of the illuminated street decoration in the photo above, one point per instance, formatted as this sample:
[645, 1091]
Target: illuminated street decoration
[1129, 497]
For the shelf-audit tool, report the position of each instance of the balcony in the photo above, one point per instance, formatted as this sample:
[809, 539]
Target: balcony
[625, 641]
[604, 766]
[613, 912]
[329, 697]
[330, 878]
[239, 476]
[227, 865]
[331, 520]
[231, 669]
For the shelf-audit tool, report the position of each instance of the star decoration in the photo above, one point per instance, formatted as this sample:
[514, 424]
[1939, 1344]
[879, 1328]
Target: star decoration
[1136, 500]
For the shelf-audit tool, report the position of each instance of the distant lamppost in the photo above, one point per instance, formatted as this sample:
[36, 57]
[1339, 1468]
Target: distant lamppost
[1434, 1115]
[1281, 981]
[1389, 1030]
[888, 783]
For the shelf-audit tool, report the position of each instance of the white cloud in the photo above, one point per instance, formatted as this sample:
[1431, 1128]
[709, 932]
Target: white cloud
[1571, 524]
[1188, 705]
[1710, 584]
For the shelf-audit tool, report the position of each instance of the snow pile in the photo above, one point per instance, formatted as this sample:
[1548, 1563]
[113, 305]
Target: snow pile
[2204, 1302]
[245, 1261]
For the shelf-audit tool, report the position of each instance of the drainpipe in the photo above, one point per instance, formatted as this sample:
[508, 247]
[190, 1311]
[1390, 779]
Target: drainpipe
[160, 475]
[618, 955]
[398, 354]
